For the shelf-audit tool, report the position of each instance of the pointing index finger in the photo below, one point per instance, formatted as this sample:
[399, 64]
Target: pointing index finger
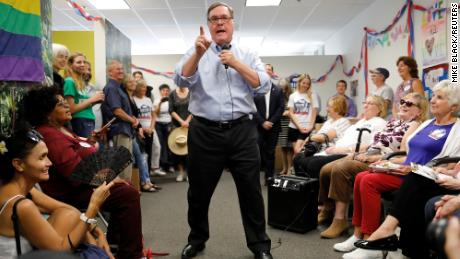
[201, 31]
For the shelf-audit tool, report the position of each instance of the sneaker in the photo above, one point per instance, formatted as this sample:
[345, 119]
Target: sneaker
[347, 245]
[157, 172]
[180, 178]
[360, 253]
[171, 169]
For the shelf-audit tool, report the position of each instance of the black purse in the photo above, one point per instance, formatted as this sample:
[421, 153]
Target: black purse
[313, 147]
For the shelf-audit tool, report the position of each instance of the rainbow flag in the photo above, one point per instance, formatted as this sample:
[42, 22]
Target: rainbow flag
[20, 41]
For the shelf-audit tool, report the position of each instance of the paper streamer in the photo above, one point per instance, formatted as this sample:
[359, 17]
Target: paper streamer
[82, 12]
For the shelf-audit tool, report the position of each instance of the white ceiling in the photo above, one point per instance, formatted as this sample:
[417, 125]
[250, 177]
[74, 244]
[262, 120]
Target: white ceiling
[296, 27]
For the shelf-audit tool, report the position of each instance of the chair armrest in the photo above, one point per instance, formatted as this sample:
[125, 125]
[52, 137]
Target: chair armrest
[443, 160]
[394, 154]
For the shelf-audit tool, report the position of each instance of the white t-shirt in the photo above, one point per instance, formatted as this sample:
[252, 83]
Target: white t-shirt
[385, 91]
[339, 126]
[145, 107]
[302, 108]
[164, 116]
[350, 136]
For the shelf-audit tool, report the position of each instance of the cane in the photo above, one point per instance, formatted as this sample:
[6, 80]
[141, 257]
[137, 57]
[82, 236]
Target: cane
[358, 144]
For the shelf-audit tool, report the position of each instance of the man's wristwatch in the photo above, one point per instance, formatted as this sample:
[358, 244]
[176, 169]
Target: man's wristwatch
[87, 220]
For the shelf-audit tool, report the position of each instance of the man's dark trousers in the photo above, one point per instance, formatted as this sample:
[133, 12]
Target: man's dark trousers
[210, 149]
[267, 145]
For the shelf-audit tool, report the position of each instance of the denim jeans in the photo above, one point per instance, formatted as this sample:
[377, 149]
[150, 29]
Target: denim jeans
[163, 130]
[141, 162]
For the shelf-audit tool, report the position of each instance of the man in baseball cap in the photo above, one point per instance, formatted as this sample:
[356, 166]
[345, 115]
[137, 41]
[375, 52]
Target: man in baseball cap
[382, 71]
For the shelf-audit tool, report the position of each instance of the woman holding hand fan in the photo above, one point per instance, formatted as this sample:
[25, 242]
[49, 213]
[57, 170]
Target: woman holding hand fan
[46, 109]
[44, 222]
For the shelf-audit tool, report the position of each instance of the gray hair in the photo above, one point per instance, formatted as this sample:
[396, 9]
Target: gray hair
[59, 49]
[217, 4]
[113, 63]
[452, 92]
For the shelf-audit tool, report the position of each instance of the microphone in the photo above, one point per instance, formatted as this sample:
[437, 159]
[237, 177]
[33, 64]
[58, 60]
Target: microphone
[223, 47]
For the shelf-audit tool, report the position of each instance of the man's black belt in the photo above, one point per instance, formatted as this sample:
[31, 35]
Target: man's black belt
[222, 124]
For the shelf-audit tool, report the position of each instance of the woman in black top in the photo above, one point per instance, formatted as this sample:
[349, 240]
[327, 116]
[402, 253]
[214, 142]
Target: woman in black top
[178, 107]
[60, 57]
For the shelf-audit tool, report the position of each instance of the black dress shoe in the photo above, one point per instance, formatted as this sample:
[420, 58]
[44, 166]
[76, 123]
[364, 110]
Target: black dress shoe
[190, 250]
[389, 243]
[263, 255]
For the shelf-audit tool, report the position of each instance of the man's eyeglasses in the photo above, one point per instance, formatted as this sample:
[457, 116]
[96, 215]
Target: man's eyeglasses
[215, 20]
[34, 136]
[407, 103]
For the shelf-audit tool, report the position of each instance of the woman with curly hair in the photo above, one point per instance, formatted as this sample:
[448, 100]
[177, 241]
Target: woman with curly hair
[47, 110]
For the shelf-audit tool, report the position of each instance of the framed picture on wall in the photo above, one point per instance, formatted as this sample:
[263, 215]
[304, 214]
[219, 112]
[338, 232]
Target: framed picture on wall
[434, 35]
[433, 75]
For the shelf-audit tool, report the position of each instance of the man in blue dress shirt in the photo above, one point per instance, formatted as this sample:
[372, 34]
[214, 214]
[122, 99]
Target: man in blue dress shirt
[223, 79]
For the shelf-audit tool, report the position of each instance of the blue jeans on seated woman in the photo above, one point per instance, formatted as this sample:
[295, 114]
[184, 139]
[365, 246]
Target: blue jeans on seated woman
[83, 127]
[141, 162]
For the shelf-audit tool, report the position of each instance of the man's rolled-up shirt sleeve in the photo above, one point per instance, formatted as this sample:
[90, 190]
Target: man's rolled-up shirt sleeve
[264, 79]
[181, 80]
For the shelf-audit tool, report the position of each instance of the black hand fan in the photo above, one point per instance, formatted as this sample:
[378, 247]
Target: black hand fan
[103, 165]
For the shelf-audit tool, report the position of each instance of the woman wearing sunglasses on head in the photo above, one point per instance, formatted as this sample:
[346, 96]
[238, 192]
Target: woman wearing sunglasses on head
[44, 223]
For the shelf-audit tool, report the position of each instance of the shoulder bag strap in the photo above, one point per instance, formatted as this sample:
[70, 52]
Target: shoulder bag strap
[15, 219]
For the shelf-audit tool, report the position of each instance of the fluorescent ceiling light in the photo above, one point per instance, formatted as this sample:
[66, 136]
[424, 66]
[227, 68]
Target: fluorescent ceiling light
[109, 4]
[263, 2]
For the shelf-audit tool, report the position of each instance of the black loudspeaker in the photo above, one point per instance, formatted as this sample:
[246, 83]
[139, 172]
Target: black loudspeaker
[293, 203]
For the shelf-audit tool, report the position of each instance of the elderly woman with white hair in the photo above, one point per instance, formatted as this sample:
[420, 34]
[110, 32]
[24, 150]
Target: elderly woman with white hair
[407, 209]
[60, 57]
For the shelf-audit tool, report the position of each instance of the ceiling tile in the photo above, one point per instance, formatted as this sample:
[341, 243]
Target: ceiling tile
[187, 16]
[186, 3]
[290, 17]
[77, 19]
[147, 4]
[252, 19]
[300, 3]
[165, 32]
[122, 17]
[295, 25]
[153, 17]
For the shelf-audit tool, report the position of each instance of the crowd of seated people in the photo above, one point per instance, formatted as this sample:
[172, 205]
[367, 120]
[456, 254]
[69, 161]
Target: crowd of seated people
[435, 138]
[346, 172]
[336, 178]
[374, 110]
